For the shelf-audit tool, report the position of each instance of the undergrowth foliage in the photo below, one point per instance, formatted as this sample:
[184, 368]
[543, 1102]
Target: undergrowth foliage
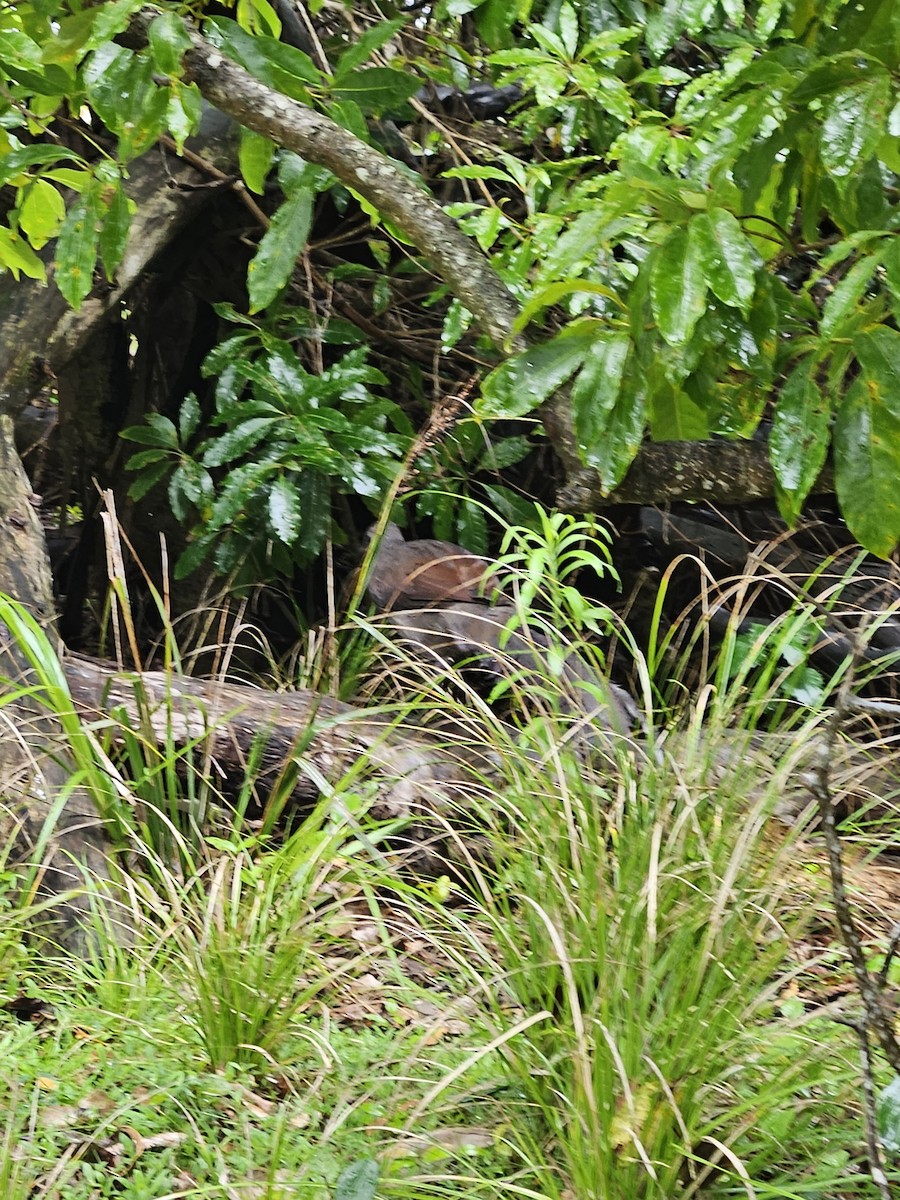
[694, 205]
[608, 967]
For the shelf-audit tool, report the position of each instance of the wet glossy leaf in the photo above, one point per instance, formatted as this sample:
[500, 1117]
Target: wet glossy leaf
[798, 443]
[279, 249]
[168, 42]
[844, 300]
[678, 286]
[284, 511]
[595, 392]
[526, 380]
[315, 505]
[727, 257]
[472, 528]
[624, 432]
[867, 443]
[853, 125]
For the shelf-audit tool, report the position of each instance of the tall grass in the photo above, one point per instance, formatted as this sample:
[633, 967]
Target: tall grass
[622, 921]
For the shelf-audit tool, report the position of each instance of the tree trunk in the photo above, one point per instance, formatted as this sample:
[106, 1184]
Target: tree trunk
[58, 843]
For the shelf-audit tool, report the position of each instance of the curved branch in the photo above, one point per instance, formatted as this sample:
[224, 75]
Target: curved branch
[292, 125]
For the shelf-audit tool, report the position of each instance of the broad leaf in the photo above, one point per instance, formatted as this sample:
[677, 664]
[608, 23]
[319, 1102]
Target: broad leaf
[726, 256]
[169, 39]
[315, 504]
[867, 443]
[18, 257]
[624, 433]
[367, 43]
[853, 125]
[274, 63]
[359, 1181]
[184, 108]
[255, 158]
[76, 249]
[673, 415]
[284, 511]
[799, 440]
[41, 212]
[527, 379]
[844, 300]
[376, 89]
[16, 161]
[279, 249]
[595, 392]
[114, 234]
[678, 284]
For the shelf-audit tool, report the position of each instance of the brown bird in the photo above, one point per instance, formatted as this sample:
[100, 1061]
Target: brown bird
[423, 573]
[436, 595]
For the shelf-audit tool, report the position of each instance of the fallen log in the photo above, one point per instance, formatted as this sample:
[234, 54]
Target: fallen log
[301, 744]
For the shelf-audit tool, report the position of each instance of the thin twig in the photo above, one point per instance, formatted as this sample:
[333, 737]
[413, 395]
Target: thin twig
[873, 1144]
[868, 987]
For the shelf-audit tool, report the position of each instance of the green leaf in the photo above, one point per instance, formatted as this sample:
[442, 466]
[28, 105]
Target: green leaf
[16, 161]
[673, 415]
[727, 257]
[235, 443]
[568, 28]
[595, 392]
[169, 39]
[188, 418]
[114, 234]
[890, 259]
[547, 296]
[798, 443]
[471, 526]
[282, 67]
[499, 456]
[285, 516]
[678, 286]
[844, 300]
[624, 432]
[315, 504]
[255, 158]
[279, 249]
[184, 108]
[359, 1181]
[853, 124]
[366, 44]
[888, 1109]
[76, 249]
[150, 476]
[867, 443]
[41, 212]
[18, 257]
[527, 379]
[18, 48]
[376, 89]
